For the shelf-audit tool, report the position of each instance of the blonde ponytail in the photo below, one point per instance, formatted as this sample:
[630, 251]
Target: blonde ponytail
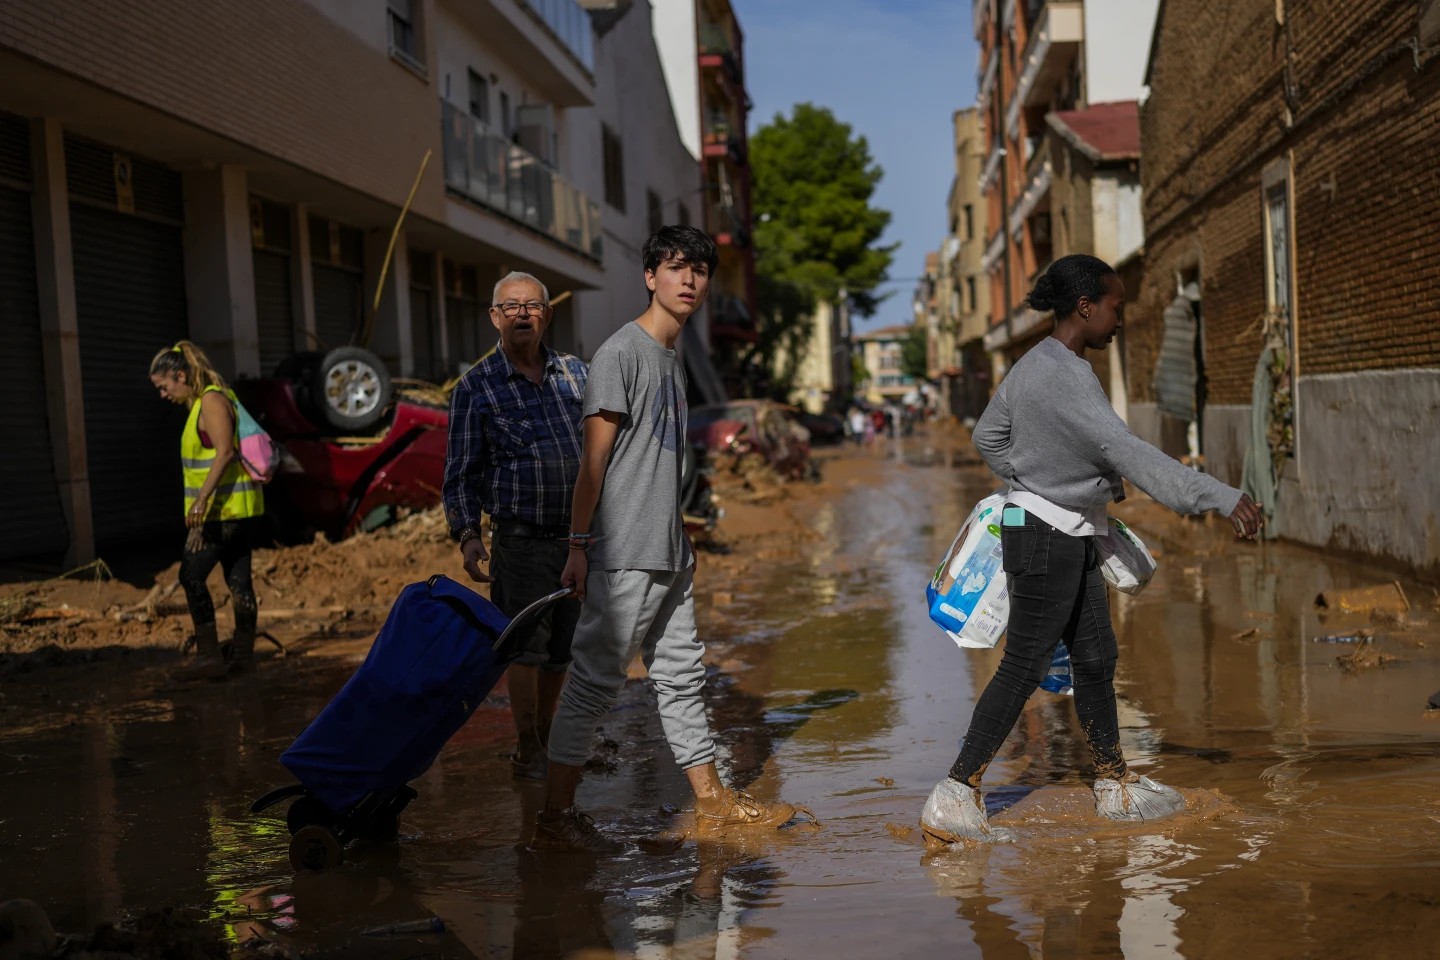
[186, 357]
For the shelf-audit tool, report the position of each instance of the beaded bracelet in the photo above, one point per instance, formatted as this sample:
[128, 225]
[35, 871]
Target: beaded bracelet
[581, 541]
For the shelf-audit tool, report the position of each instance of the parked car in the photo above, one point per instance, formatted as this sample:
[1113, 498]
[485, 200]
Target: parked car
[769, 429]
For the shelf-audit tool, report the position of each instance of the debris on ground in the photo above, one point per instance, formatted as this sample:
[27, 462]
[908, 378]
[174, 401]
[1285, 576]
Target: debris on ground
[746, 478]
[170, 934]
[1434, 702]
[1385, 600]
[1365, 657]
[1359, 637]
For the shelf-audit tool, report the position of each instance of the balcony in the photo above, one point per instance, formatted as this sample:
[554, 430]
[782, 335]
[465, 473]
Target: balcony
[725, 224]
[1035, 191]
[569, 24]
[989, 75]
[730, 319]
[484, 167]
[992, 168]
[1054, 43]
[550, 41]
[979, 16]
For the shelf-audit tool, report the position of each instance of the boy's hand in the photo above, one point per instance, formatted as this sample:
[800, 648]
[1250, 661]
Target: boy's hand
[1247, 518]
[573, 576]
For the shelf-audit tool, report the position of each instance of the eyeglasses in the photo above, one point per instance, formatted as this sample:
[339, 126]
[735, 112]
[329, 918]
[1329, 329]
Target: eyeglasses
[512, 309]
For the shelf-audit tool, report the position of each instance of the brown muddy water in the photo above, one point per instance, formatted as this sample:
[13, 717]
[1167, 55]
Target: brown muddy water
[1314, 792]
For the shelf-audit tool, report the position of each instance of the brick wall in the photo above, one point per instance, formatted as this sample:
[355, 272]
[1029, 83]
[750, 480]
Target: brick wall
[277, 75]
[1365, 184]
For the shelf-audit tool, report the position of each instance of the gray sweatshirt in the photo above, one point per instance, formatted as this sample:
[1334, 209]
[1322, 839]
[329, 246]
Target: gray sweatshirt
[1049, 430]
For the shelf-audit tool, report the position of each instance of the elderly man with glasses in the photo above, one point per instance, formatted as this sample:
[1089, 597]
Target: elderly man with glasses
[514, 452]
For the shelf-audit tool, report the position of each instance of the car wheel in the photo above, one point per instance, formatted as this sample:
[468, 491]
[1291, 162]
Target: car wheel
[350, 389]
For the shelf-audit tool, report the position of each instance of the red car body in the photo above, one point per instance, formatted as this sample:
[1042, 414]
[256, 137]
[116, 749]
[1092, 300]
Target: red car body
[767, 428]
[332, 486]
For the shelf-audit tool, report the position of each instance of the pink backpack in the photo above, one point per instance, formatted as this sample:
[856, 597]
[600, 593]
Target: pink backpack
[258, 453]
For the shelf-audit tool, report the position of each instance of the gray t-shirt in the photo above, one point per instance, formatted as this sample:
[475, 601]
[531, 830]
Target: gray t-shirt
[637, 523]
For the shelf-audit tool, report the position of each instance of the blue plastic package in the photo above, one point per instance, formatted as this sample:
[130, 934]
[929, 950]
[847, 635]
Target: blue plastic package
[1058, 680]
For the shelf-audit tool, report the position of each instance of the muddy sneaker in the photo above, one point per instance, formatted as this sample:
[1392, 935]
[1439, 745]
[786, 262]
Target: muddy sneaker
[537, 767]
[953, 813]
[572, 831]
[1134, 797]
[731, 808]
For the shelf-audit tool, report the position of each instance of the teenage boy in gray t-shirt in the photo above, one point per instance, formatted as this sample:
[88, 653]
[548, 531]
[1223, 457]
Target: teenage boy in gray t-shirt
[630, 561]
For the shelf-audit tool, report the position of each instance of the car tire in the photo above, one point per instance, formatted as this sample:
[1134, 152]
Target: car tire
[350, 389]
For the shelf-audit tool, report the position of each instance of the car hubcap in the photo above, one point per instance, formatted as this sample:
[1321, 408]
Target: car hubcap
[352, 388]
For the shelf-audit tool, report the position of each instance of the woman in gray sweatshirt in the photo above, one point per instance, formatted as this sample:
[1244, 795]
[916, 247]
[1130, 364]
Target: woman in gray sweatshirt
[1050, 434]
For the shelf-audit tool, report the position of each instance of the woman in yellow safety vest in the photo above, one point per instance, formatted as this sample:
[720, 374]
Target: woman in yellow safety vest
[222, 503]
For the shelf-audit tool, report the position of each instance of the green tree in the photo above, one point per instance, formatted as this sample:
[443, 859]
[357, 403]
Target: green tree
[915, 353]
[816, 233]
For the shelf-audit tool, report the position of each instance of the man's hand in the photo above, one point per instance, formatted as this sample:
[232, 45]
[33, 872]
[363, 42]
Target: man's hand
[577, 566]
[1247, 518]
[474, 552]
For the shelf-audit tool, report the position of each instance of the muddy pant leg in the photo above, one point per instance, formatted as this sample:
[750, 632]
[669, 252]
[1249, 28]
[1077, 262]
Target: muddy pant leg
[1045, 570]
[620, 606]
[234, 555]
[1093, 652]
[672, 652]
[195, 567]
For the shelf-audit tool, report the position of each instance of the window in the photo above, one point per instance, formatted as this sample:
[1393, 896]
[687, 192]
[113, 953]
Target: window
[970, 293]
[479, 97]
[614, 162]
[654, 212]
[506, 127]
[969, 222]
[404, 17]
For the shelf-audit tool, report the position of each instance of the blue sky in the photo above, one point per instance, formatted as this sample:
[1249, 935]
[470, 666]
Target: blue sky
[895, 70]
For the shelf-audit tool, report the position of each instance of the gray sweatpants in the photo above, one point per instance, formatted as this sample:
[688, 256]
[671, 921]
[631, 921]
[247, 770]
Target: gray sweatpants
[628, 611]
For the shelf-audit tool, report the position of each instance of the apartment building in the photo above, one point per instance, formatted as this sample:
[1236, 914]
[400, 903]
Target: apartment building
[1052, 74]
[231, 173]
[882, 353]
[1284, 330]
[702, 50]
[958, 362]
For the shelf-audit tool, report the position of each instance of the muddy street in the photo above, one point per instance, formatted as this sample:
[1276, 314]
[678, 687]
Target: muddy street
[1313, 789]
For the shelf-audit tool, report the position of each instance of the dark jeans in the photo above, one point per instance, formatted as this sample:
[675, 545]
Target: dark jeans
[1056, 593]
[228, 543]
[526, 565]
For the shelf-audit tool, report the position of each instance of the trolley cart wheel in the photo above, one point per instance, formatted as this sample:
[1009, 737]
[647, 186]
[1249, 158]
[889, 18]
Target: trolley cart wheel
[315, 848]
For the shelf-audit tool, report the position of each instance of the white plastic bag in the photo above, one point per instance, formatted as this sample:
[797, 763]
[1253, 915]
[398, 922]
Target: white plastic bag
[968, 596]
[1124, 560]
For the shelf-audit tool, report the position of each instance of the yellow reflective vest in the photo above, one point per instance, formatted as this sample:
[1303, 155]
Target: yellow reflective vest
[238, 496]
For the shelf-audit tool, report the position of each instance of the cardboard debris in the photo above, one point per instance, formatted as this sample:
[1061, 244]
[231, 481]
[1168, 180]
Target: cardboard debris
[1387, 598]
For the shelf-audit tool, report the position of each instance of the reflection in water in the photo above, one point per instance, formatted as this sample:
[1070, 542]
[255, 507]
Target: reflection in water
[1312, 793]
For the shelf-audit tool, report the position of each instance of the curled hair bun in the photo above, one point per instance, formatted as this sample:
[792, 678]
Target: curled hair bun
[1042, 298]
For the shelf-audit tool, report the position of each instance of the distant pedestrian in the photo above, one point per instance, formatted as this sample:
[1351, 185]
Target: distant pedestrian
[856, 424]
[630, 559]
[513, 453]
[222, 506]
[1050, 433]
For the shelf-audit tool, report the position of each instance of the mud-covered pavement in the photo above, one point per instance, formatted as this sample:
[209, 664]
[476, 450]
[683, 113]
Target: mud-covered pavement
[1314, 791]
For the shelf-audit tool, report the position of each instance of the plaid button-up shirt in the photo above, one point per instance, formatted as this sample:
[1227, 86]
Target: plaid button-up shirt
[514, 447]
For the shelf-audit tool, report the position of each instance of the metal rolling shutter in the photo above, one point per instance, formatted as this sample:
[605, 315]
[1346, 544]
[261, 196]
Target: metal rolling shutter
[272, 309]
[130, 301]
[31, 517]
[337, 305]
[274, 318]
[1175, 372]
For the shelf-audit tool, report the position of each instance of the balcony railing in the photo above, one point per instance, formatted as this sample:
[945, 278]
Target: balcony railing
[571, 26]
[485, 167]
